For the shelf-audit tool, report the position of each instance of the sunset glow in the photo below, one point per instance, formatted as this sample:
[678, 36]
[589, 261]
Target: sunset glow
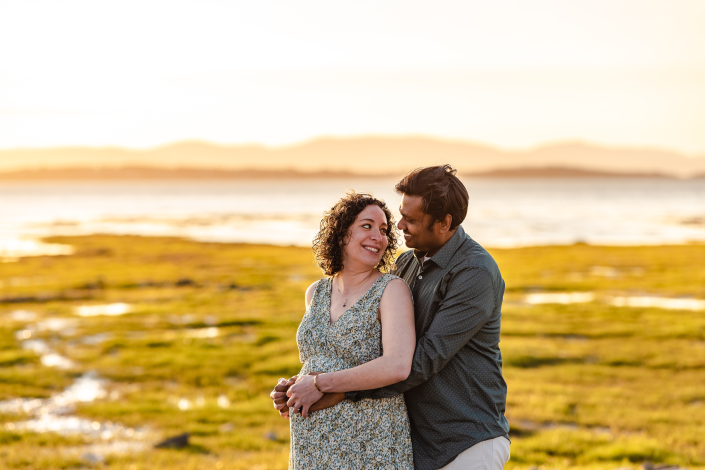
[512, 74]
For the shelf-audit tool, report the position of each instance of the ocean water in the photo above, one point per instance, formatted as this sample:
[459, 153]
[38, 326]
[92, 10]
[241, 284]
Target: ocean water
[503, 212]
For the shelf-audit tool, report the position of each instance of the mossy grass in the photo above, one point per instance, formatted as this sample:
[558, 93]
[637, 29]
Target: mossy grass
[590, 385]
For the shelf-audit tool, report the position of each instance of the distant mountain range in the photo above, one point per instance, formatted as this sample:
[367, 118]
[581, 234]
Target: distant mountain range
[344, 157]
[154, 173]
[150, 172]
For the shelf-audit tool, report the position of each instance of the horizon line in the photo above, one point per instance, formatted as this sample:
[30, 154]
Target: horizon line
[151, 172]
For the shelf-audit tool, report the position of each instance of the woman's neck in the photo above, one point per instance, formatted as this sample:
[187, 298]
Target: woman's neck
[352, 278]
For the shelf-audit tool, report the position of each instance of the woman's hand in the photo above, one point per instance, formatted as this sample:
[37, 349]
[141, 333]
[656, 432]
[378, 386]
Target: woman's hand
[303, 394]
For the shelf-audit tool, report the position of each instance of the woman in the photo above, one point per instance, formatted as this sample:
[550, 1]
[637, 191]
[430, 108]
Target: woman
[358, 325]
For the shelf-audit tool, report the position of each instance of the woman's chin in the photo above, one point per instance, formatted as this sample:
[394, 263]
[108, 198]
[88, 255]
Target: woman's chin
[370, 262]
[371, 256]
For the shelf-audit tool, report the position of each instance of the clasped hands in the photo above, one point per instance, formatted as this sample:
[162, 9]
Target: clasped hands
[300, 395]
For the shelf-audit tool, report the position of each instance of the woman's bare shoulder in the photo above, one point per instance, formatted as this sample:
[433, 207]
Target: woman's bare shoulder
[396, 288]
[310, 291]
[397, 282]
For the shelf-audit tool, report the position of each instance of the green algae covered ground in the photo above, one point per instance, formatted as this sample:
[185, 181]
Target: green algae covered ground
[212, 327]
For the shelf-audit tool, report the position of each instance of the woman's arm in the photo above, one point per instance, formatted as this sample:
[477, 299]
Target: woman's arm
[309, 293]
[396, 312]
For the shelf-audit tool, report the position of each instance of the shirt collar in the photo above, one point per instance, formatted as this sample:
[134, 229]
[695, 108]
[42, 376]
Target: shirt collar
[447, 251]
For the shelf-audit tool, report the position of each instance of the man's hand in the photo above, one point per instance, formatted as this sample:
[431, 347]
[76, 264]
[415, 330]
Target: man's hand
[279, 397]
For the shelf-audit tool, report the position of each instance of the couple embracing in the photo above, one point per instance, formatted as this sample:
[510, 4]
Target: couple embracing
[401, 360]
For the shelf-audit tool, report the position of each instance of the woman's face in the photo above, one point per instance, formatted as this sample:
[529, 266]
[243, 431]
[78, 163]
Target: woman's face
[367, 237]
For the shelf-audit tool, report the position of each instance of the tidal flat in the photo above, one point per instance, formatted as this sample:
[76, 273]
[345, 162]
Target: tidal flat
[130, 340]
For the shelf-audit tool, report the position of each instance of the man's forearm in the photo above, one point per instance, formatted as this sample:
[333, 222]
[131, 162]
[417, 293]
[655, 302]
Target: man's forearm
[328, 400]
[375, 394]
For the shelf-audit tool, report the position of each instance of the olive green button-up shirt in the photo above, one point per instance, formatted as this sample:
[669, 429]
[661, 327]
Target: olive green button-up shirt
[455, 394]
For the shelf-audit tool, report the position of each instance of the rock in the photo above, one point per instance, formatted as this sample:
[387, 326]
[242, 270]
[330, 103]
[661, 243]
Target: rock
[227, 427]
[92, 457]
[665, 466]
[98, 284]
[176, 442]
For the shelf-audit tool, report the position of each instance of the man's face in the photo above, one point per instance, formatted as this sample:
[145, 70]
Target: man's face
[415, 224]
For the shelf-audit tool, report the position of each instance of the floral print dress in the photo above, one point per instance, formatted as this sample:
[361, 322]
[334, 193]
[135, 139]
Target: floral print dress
[369, 434]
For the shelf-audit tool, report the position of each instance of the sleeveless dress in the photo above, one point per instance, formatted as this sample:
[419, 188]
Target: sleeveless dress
[368, 434]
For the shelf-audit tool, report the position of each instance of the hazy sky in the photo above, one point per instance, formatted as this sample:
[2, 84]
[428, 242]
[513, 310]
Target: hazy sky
[509, 73]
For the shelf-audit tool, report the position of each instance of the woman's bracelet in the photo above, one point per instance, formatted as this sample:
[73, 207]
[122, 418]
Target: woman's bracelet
[315, 377]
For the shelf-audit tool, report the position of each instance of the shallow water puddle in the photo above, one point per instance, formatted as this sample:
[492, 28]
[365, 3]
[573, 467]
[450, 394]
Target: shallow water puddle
[47, 356]
[559, 298]
[184, 404]
[223, 401]
[87, 388]
[96, 338]
[14, 249]
[659, 302]
[22, 315]
[57, 360]
[107, 309]
[611, 272]
[67, 425]
[55, 414]
[210, 332]
[566, 298]
[63, 326]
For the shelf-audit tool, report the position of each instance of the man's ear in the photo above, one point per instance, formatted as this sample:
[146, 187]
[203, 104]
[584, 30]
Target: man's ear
[445, 223]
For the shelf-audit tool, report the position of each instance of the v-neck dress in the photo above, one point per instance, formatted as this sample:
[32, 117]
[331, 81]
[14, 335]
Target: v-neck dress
[368, 434]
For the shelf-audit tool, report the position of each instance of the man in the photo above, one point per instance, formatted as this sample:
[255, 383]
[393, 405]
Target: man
[455, 393]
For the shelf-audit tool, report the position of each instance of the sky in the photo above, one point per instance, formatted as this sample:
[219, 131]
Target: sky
[510, 73]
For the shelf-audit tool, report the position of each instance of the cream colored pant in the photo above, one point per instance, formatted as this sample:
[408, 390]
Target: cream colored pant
[486, 455]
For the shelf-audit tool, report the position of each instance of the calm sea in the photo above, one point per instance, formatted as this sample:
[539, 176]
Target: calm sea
[503, 212]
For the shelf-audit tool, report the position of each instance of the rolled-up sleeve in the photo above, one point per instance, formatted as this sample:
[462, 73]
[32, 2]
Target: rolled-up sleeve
[467, 305]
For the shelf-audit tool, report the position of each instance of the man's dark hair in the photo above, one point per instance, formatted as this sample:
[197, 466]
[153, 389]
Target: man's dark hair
[441, 191]
[335, 228]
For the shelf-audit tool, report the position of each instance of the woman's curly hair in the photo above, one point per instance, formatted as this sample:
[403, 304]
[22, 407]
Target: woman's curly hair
[335, 228]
